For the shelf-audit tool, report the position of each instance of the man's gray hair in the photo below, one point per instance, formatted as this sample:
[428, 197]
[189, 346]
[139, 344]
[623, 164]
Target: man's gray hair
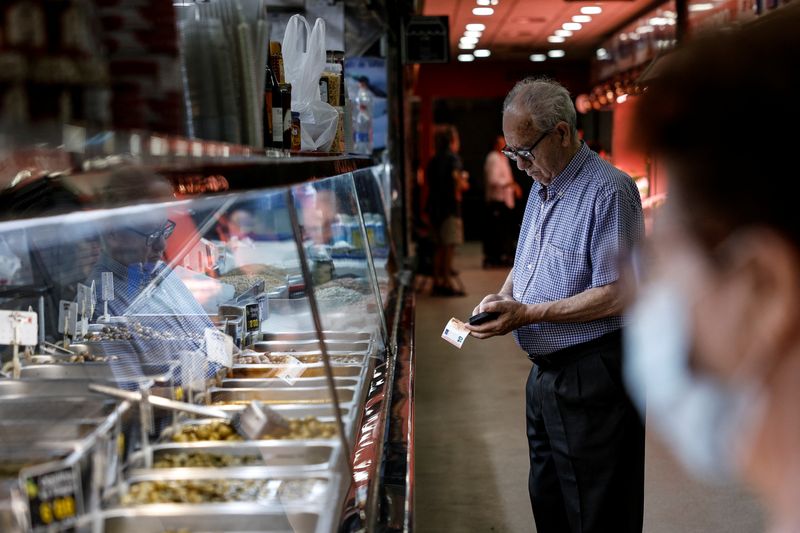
[546, 101]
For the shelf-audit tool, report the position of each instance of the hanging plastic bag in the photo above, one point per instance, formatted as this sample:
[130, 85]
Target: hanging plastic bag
[304, 60]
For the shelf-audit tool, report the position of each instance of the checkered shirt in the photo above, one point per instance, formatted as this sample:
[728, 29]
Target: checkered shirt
[572, 235]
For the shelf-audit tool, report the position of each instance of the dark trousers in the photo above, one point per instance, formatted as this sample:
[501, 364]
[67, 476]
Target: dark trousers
[586, 442]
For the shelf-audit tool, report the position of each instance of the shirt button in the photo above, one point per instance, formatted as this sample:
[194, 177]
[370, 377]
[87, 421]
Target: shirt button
[517, 295]
[529, 266]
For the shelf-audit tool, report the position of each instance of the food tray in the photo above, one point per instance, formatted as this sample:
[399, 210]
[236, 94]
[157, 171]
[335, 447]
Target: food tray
[312, 336]
[270, 383]
[294, 395]
[56, 408]
[212, 518]
[313, 370]
[312, 347]
[294, 456]
[265, 485]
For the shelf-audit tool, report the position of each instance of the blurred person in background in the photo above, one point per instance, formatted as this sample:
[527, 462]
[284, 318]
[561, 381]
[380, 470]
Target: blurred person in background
[714, 343]
[562, 301]
[502, 192]
[446, 183]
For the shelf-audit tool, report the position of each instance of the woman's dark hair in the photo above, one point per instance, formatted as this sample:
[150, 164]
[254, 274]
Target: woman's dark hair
[443, 136]
[717, 112]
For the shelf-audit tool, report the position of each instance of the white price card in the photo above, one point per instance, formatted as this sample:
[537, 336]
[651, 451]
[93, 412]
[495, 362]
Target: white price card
[455, 332]
[107, 289]
[263, 307]
[218, 349]
[293, 370]
[19, 327]
[63, 315]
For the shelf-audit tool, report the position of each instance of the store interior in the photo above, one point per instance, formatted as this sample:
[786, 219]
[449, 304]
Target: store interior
[217, 302]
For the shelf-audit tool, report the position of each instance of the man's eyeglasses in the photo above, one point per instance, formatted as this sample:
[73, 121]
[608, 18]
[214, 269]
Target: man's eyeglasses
[526, 154]
[162, 233]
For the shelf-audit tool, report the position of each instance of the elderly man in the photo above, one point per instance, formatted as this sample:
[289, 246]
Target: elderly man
[562, 302]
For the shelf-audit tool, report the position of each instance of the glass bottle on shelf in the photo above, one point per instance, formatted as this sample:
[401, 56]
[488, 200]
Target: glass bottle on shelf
[362, 121]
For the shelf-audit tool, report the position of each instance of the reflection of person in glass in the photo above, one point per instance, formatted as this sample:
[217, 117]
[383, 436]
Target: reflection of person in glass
[132, 249]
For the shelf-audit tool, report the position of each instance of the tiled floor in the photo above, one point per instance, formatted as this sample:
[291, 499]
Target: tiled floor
[471, 452]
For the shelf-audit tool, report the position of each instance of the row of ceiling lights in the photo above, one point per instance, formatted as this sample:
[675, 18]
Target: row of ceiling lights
[566, 31]
[474, 31]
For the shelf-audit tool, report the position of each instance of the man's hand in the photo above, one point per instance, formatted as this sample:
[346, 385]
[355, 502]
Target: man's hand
[513, 315]
[491, 298]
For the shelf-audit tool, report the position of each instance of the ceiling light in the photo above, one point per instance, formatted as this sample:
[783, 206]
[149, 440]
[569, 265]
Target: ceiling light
[602, 53]
[556, 53]
[469, 40]
[476, 27]
[591, 10]
[482, 11]
[621, 98]
[563, 33]
[538, 58]
[482, 53]
[571, 26]
[701, 7]
[466, 58]
[644, 29]
[495, 2]
[555, 39]
[483, 2]
[582, 19]
[466, 46]
[475, 34]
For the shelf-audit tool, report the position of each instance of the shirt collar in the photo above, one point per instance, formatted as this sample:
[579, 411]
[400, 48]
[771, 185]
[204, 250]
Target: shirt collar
[562, 181]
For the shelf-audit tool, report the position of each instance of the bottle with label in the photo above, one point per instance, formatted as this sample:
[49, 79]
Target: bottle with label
[362, 121]
[296, 129]
[272, 101]
[286, 104]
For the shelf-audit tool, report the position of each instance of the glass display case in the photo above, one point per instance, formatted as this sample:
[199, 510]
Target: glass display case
[199, 363]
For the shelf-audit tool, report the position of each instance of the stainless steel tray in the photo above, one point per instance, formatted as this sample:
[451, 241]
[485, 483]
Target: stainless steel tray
[212, 518]
[277, 383]
[89, 372]
[56, 408]
[293, 395]
[67, 432]
[283, 455]
[312, 336]
[311, 371]
[312, 346]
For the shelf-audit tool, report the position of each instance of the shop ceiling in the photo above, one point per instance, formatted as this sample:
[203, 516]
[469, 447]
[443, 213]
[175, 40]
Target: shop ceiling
[517, 29]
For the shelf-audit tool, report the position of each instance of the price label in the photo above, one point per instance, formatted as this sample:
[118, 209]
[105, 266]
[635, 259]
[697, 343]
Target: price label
[19, 327]
[292, 370]
[218, 348]
[263, 307]
[252, 317]
[455, 332]
[54, 497]
[67, 317]
[107, 286]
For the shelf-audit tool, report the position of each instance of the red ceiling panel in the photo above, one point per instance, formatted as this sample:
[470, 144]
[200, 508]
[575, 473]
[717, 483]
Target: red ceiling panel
[519, 28]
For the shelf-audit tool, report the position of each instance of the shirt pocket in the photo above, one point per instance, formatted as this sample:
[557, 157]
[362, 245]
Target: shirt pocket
[562, 273]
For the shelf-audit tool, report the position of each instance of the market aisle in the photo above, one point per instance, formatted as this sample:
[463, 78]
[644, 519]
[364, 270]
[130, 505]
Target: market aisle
[471, 462]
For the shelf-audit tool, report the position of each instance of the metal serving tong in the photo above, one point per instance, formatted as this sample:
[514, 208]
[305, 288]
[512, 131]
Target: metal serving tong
[256, 421]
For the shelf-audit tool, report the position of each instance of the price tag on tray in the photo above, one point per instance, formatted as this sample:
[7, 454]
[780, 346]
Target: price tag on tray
[252, 317]
[19, 327]
[219, 347]
[107, 283]
[292, 370]
[54, 497]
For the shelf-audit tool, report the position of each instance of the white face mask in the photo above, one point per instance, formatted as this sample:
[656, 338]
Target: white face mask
[702, 419]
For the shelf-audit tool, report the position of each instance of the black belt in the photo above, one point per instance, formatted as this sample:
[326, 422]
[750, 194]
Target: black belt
[571, 354]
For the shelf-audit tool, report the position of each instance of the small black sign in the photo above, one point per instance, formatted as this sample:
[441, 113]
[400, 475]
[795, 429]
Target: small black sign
[54, 497]
[426, 40]
[252, 316]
